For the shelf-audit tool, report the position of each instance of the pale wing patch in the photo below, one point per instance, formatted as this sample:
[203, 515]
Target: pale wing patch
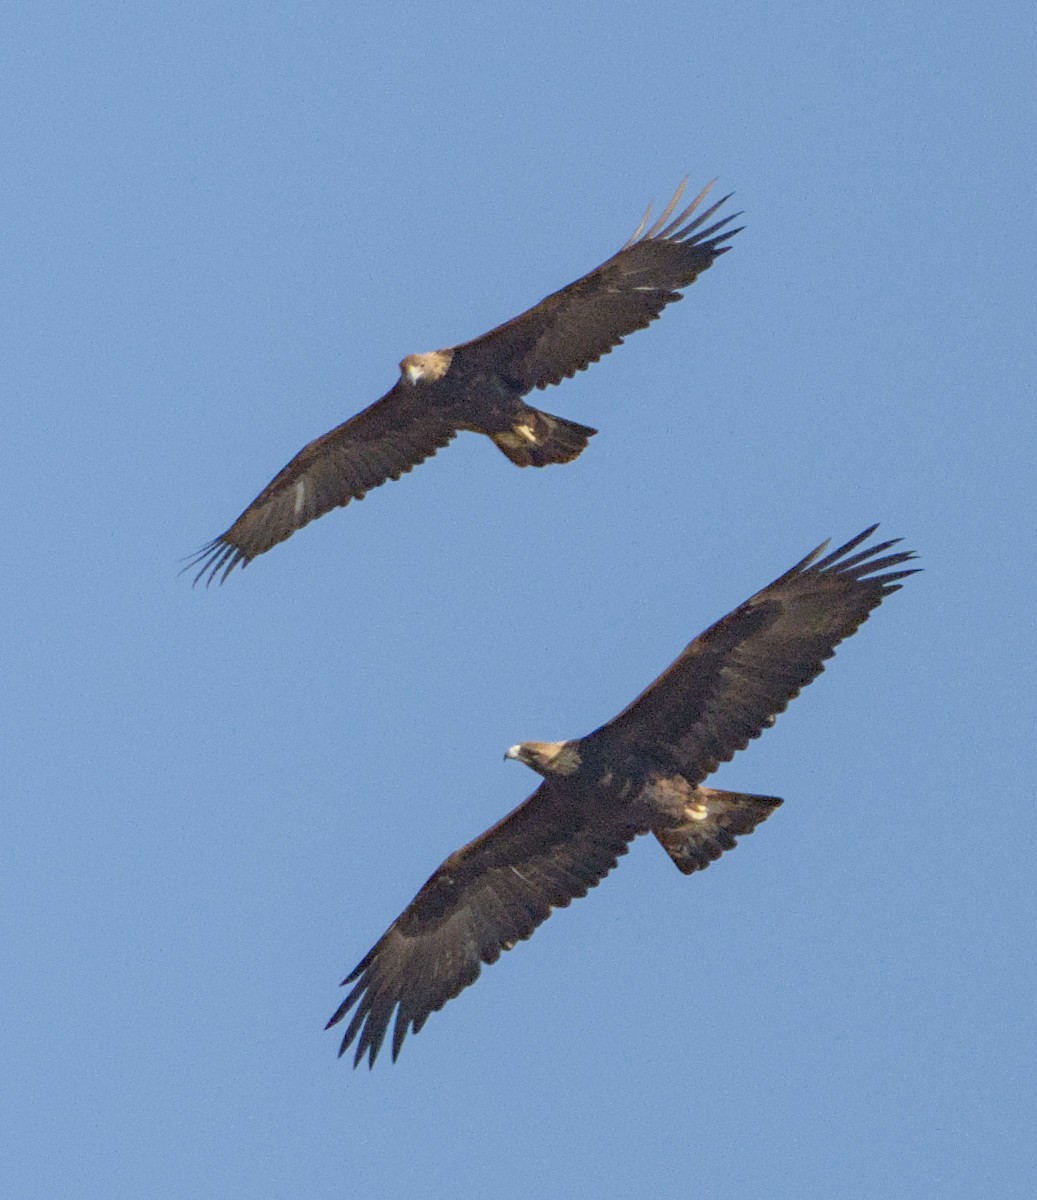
[300, 496]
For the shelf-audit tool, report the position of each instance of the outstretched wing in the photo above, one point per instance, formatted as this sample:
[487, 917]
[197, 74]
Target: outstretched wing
[383, 442]
[487, 896]
[732, 680]
[574, 327]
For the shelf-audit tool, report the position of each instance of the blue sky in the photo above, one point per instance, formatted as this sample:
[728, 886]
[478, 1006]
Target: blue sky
[224, 227]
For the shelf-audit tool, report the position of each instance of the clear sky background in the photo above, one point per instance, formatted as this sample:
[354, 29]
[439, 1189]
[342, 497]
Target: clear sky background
[224, 226]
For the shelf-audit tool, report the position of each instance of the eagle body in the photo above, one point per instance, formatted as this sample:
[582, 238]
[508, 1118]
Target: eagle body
[642, 772]
[486, 403]
[478, 386]
[643, 793]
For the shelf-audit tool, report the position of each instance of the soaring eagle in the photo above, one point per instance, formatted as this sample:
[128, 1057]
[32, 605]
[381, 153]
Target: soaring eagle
[479, 386]
[643, 772]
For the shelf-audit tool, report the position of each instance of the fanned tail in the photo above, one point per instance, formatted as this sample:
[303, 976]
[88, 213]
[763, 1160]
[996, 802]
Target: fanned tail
[538, 439]
[713, 819]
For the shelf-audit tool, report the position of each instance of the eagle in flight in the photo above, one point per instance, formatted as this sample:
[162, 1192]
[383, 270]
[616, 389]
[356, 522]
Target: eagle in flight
[643, 772]
[479, 385]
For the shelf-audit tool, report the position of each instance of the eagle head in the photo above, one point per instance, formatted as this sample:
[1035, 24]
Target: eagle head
[547, 758]
[425, 368]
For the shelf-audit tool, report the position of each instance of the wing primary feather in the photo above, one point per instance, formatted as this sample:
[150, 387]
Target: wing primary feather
[861, 555]
[679, 220]
[211, 558]
[235, 558]
[804, 563]
[705, 237]
[850, 545]
[888, 580]
[865, 563]
[667, 212]
[703, 217]
[359, 1017]
[871, 566]
[398, 1034]
[635, 236]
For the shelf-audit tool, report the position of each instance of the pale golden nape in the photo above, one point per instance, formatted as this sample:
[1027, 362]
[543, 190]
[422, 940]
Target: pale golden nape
[547, 758]
[426, 368]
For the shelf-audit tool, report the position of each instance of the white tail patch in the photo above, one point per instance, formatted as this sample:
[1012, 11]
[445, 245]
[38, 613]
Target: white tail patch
[517, 438]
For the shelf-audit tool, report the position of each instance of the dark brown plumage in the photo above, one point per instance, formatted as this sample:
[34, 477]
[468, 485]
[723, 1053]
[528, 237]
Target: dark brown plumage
[479, 385]
[640, 773]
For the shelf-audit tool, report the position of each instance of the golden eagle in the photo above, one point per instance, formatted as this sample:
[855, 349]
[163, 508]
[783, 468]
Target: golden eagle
[479, 385]
[641, 773]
